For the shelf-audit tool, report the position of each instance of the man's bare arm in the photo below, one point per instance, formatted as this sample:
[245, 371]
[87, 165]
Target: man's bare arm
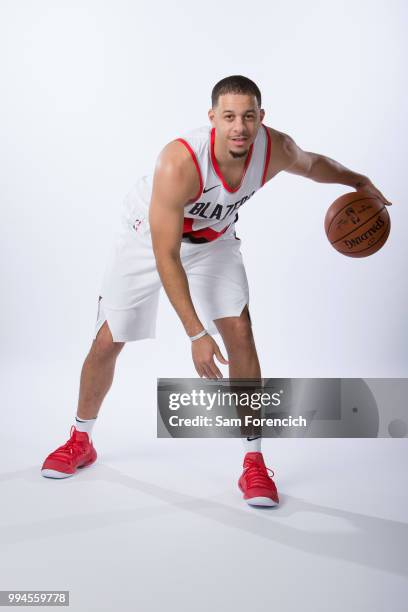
[324, 169]
[173, 186]
[176, 182]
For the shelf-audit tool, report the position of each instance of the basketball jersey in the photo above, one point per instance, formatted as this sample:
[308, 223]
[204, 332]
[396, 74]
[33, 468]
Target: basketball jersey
[213, 211]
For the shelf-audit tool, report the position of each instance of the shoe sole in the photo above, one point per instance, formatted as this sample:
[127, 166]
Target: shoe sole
[56, 474]
[261, 501]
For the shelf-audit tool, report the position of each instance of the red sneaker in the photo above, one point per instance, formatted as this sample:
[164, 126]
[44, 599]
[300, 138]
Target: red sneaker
[256, 484]
[78, 452]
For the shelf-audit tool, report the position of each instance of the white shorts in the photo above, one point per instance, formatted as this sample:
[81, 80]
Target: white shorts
[129, 295]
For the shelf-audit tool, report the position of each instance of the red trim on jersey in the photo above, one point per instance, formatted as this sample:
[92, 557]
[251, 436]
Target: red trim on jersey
[268, 154]
[217, 168]
[193, 155]
[207, 232]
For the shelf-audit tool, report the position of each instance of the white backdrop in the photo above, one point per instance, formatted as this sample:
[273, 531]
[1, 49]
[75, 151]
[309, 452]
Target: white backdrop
[91, 91]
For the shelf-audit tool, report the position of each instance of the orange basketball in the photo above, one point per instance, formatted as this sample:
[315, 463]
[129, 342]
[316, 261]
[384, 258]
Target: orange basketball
[357, 224]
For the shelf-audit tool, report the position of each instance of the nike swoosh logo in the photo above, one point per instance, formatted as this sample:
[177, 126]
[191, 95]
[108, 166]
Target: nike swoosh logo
[209, 189]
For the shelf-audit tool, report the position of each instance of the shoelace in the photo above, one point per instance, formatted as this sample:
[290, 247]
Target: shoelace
[258, 475]
[67, 449]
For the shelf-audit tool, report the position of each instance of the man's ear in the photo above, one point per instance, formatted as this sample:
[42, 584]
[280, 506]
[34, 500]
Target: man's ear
[211, 116]
[262, 114]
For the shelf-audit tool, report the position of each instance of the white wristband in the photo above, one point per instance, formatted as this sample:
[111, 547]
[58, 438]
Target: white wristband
[200, 335]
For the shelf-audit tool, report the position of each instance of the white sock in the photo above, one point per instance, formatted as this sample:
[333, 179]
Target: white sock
[252, 445]
[85, 425]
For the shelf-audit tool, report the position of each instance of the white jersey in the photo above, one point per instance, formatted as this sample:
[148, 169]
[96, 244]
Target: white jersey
[214, 210]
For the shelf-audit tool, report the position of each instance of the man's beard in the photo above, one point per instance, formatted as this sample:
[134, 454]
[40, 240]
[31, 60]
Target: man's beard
[237, 155]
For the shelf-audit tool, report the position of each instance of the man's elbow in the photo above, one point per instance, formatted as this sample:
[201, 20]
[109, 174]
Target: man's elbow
[307, 164]
[312, 161]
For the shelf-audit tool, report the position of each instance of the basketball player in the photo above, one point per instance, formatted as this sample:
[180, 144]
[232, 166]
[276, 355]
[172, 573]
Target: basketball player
[179, 233]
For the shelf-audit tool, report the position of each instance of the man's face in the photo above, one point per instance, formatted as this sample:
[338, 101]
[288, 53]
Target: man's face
[236, 118]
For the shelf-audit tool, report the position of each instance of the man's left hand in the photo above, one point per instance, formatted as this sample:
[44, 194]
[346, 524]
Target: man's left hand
[368, 187]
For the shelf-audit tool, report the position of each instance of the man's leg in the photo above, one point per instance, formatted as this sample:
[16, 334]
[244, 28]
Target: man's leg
[243, 359]
[236, 332]
[239, 341]
[97, 373]
[96, 380]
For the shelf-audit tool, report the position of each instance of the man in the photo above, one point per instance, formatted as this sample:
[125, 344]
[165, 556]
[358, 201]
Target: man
[179, 233]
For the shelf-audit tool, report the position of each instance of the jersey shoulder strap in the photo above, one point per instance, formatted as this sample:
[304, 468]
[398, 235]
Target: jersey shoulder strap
[197, 142]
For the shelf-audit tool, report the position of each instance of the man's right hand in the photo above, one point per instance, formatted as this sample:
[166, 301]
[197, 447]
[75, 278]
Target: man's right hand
[203, 351]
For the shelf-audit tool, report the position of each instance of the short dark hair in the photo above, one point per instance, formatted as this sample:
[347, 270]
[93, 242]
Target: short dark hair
[235, 84]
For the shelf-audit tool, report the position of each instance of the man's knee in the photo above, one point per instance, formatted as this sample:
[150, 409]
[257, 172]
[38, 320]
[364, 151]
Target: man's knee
[103, 345]
[237, 332]
[240, 333]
